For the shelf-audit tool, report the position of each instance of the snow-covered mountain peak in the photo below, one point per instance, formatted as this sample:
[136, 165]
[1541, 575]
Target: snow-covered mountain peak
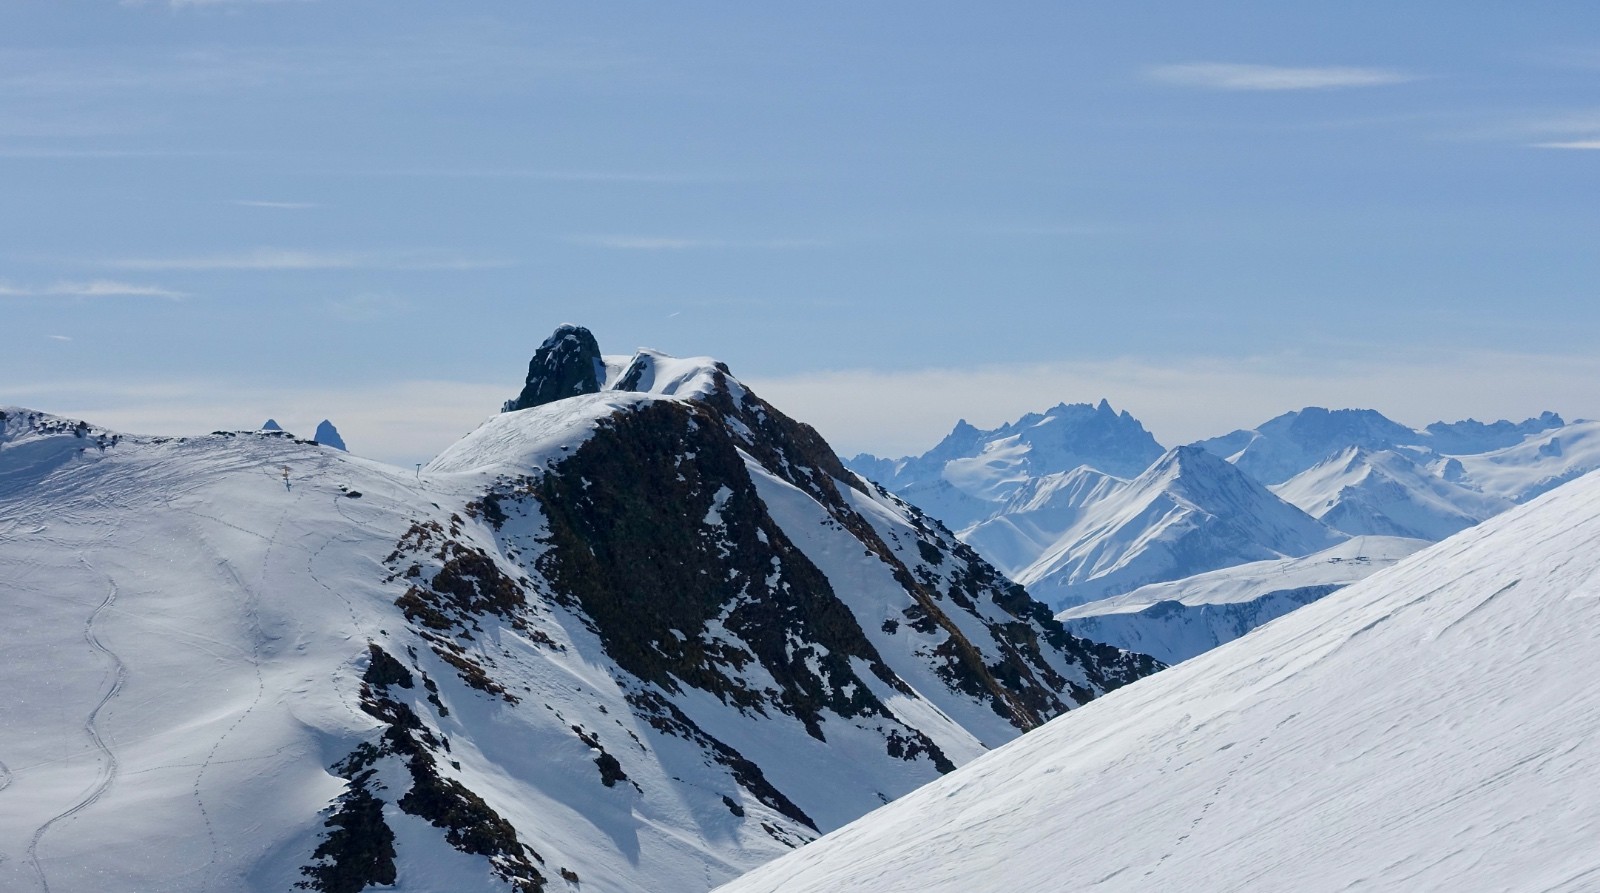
[653, 372]
[1290, 443]
[1207, 482]
[972, 472]
[617, 640]
[1470, 436]
[1189, 512]
[1384, 492]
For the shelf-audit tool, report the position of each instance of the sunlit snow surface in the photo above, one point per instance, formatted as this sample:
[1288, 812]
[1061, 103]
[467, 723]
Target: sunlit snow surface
[187, 622]
[1434, 727]
[1177, 620]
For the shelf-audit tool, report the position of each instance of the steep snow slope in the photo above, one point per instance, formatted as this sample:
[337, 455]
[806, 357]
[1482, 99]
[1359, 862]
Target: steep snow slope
[1036, 516]
[1175, 621]
[1188, 513]
[1433, 727]
[1384, 493]
[618, 640]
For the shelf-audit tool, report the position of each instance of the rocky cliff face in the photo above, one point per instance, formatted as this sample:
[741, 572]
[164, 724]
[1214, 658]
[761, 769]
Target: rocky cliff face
[567, 364]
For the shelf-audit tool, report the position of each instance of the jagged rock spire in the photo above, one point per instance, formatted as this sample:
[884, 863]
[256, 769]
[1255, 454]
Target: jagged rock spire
[567, 364]
[328, 435]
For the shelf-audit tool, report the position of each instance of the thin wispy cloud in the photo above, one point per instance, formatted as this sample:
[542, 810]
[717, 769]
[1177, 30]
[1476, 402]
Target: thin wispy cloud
[180, 4]
[414, 63]
[287, 259]
[1064, 230]
[1232, 76]
[96, 288]
[564, 176]
[59, 338]
[674, 243]
[1569, 144]
[45, 153]
[278, 206]
[1578, 130]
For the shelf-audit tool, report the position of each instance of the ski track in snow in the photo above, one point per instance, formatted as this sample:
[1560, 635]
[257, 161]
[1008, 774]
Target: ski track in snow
[345, 696]
[108, 772]
[253, 613]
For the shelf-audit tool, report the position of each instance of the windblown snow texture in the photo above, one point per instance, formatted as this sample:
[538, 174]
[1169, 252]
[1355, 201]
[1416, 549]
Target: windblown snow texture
[1433, 727]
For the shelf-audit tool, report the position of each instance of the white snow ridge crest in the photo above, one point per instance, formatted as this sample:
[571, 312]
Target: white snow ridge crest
[647, 634]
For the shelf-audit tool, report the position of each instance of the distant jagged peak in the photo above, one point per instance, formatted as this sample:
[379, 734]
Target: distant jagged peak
[270, 425]
[1194, 475]
[1189, 459]
[567, 364]
[1289, 444]
[1190, 473]
[1472, 436]
[1317, 425]
[328, 435]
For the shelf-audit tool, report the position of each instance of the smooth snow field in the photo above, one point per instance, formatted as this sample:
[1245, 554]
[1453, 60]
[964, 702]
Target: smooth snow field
[1433, 727]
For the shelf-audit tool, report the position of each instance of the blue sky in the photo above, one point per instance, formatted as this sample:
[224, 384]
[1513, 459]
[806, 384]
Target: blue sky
[884, 216]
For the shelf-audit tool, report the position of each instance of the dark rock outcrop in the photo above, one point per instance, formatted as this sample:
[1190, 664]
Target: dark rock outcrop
[567, 364]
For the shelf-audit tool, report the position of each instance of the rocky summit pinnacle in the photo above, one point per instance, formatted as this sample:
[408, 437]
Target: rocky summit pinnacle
[567, 364]
[328, 435]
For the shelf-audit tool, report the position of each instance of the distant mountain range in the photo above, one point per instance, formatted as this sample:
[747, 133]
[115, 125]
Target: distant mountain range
[1081, 504]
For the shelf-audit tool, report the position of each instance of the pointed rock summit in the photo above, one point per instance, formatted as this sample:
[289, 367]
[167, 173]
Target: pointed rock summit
[567, 364]
[327, 435]
[271, 425]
